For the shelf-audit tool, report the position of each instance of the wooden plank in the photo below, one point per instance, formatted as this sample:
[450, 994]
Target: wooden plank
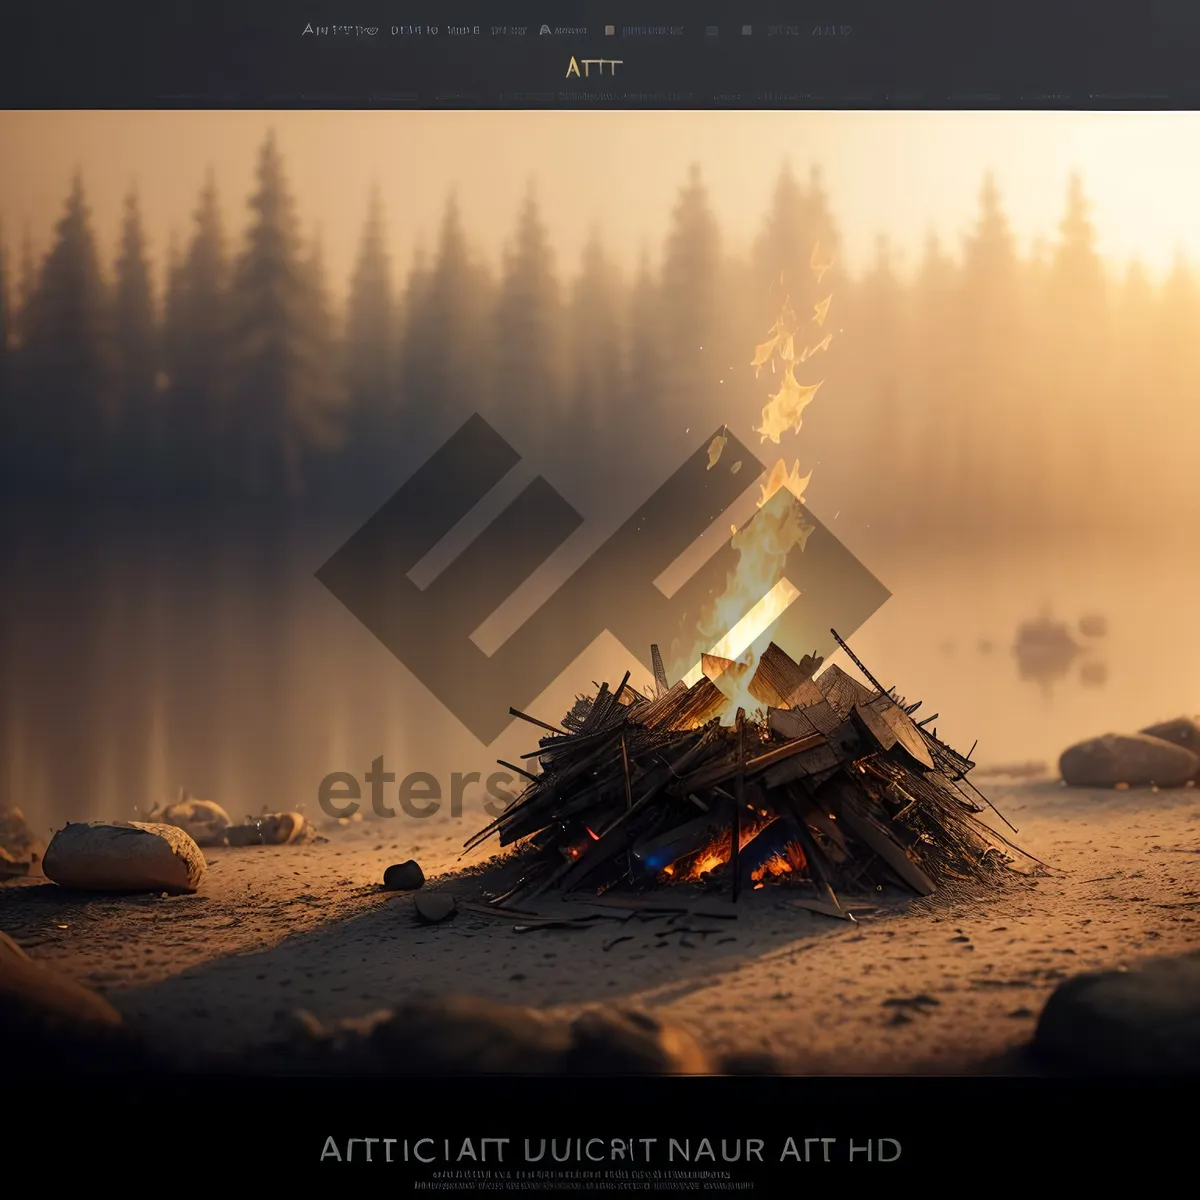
[739, 797]
[660, 672]
[777, 676]
[811, 762]
[805, 695]
[710, 776]
[842, 691]
[876, 839]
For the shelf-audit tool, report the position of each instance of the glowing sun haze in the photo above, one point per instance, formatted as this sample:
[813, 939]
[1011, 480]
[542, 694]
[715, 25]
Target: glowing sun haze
[900, 174]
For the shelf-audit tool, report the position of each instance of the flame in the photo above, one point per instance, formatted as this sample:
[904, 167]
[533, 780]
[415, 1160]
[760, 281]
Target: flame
[790, 860]
[756, 594]
[715, 854]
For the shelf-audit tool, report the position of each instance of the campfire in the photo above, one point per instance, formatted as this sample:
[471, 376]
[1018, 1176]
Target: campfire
[828, 784]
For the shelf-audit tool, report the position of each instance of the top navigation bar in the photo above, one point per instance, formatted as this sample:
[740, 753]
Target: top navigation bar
[379, 54]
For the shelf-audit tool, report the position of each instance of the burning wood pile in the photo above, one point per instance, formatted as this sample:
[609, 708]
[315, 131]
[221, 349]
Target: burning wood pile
[831, 785]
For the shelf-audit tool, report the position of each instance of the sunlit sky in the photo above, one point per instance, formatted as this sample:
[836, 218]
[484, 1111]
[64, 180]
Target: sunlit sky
[888, 173]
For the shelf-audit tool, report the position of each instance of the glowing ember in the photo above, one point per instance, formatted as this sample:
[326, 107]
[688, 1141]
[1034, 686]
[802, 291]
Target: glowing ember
[757, 587]
[716, 854]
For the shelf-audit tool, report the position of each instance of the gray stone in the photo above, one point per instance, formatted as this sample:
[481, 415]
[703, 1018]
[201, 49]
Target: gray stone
[433, 907]
[1182, 731]
[1133, 759]
[404, 877]
[1142, 1021]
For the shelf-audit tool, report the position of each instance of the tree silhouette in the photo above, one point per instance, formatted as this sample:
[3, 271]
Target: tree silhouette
[317, 419]
[370, 348]
[67, 365]
[198, 353]
[597, 363]
[994, 431]
[645, 379]
[694, 355]
[7, 333]
[136, 354]
[444, 364]
[935, 458]
[529, 384]
[279, 408]
[1081, 345]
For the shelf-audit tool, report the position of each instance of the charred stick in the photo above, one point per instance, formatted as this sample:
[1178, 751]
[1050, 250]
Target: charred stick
[516, 712]
[739, 802]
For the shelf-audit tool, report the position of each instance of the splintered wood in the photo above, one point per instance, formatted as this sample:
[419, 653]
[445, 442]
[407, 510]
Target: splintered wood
[831, 786]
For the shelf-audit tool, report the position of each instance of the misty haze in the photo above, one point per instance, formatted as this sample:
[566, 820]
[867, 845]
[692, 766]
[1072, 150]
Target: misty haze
[1005, 429]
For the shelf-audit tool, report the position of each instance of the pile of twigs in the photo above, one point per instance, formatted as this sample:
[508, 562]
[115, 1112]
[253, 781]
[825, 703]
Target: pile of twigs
[831, 784]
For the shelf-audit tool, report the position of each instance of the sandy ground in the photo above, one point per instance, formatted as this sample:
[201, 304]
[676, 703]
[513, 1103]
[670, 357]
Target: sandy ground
[953, 983]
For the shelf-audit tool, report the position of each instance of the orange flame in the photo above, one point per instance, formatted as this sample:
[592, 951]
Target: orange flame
[756, 593]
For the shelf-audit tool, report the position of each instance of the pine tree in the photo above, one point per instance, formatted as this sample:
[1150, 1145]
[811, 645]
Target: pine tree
[27, 276]
[644, 382]
[444, 361]
[136, 354]
[67, 363]
[7, 334]
[938, 482]
[879, 321]
[319, 414]
[198, 354]
[695, 352]
[597, 345]
[529, 335]
[370, 358]
[782, 251]
[1170, 382]
[274, 408]
[1081, 373]
[994, 415]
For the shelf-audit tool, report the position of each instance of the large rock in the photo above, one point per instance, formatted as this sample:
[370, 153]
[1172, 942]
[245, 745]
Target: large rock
[204, 821]
[465, 1035]
[51, 1023]
[20, 850]
[468, 1036]
[126, 856]
[1143, 1021]
[271, 829]
[1134, 759]
[1182, 731]
[623, 1041]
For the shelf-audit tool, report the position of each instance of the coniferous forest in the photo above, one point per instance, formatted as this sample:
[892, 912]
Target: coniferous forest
[977, 392]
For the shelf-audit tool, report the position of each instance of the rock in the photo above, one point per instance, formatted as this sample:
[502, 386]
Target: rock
[271, 829]
[129, 856]
[1143, 1021]
[1133, 759]
[1182, 731]
[20, 850]
[433, 907]
[404, 877]
[620, 1041]
[468, 1036]
[51, 1023]
[286, 829]
[1094, 625]
[202, 820]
